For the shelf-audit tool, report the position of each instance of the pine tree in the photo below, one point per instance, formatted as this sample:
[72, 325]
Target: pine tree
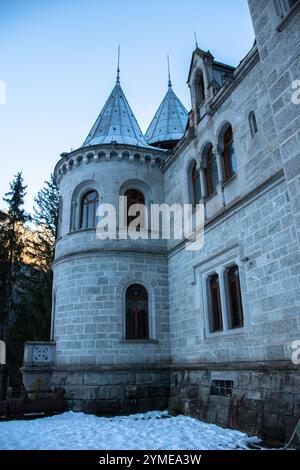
[35, 287]
[46, 219]
[12, 223]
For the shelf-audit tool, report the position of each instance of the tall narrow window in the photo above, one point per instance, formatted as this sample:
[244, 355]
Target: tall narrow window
[215, 303]
[235, 298]
[199, 90]
[137, 322]
[252, 123]
[134, 197]
[89, 206]
[211, 172]
[196, 188]
[229, 155]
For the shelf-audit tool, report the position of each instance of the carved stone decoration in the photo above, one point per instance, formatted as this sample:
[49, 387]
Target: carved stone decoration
[40, 354]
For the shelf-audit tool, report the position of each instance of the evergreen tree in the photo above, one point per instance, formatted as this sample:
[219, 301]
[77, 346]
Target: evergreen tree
[12, 246]
[34, 317]
[46, 219]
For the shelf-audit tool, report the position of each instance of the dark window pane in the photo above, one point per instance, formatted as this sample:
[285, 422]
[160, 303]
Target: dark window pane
[196, 185]
[199, 89]
[89, 206]
[211, 172]
[134, 197]
[214, 176]
[235, 299]
[229, 155]
[215, 304]
[137, 312]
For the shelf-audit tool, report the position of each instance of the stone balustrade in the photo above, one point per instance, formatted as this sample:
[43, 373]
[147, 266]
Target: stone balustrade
[39, 353]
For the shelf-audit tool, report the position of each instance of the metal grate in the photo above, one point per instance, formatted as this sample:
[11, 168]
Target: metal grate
[222, 388]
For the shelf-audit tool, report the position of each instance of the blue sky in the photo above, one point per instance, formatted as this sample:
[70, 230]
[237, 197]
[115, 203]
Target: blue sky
[58, 61]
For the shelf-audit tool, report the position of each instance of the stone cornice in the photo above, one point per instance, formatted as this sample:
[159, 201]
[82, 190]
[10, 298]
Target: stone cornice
[113, 151]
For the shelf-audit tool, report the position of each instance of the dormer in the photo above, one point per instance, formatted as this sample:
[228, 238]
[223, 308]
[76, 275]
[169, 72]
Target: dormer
[206, 78]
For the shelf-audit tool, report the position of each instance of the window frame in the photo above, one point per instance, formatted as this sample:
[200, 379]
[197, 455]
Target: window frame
[211, 308]
[210, 160]
[227, 154]
[199, 89]
[94, 204]
[252, 123]
[193, 180]
[230, 314]
[218, 266]
[147, 337]
[130, 218]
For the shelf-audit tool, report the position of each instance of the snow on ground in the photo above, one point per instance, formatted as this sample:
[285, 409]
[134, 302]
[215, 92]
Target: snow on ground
[148, 431]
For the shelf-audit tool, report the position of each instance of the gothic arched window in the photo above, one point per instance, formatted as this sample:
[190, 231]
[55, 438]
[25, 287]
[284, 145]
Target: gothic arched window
[89, 206]
[229, 155]
[134, 197]
[211, 171]
[252, 123]
[137, 314]
[196, 187]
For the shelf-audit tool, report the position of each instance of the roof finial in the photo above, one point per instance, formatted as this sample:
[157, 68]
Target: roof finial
[196, 41]
[118, 69]
[169, 75]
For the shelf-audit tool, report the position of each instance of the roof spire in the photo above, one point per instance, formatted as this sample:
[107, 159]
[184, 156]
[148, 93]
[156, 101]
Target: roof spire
[196, 41]
[118, 69]
[169, 75]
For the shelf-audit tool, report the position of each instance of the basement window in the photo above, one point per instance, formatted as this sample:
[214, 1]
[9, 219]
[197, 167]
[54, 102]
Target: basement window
[221, 388]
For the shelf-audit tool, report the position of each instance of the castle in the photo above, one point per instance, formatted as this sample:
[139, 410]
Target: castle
[143, 323]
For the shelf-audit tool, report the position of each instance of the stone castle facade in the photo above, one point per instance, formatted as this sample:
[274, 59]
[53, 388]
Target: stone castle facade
[145, 324]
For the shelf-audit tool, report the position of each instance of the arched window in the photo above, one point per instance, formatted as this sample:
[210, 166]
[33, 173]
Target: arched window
[252, 123]
[199, 89]
[137, 315]
[134, 197]
[211, 172]
[236, 319]
[215, 308]
[196, 187]
[89, 206]
[229, 155]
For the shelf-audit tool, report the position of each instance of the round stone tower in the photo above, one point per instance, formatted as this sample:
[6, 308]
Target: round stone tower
[110, 322]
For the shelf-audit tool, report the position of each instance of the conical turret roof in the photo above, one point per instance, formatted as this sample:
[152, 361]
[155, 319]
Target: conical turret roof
[116, 123]
[170, 120]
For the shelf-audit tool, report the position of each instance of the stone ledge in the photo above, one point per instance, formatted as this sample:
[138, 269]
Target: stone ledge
[139, 341]
[100, 368]
[258, 366]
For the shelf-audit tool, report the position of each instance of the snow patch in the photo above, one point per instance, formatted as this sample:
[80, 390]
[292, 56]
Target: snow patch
[145, 431]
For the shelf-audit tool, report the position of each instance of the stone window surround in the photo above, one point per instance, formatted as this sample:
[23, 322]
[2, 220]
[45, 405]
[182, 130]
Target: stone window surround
[285, 12]
[217, 150]
[151, 313]
[92, 185]
[219, 267]
[78, 193]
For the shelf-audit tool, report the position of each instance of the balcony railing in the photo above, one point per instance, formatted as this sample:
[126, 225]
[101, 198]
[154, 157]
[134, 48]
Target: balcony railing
[39, 354]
